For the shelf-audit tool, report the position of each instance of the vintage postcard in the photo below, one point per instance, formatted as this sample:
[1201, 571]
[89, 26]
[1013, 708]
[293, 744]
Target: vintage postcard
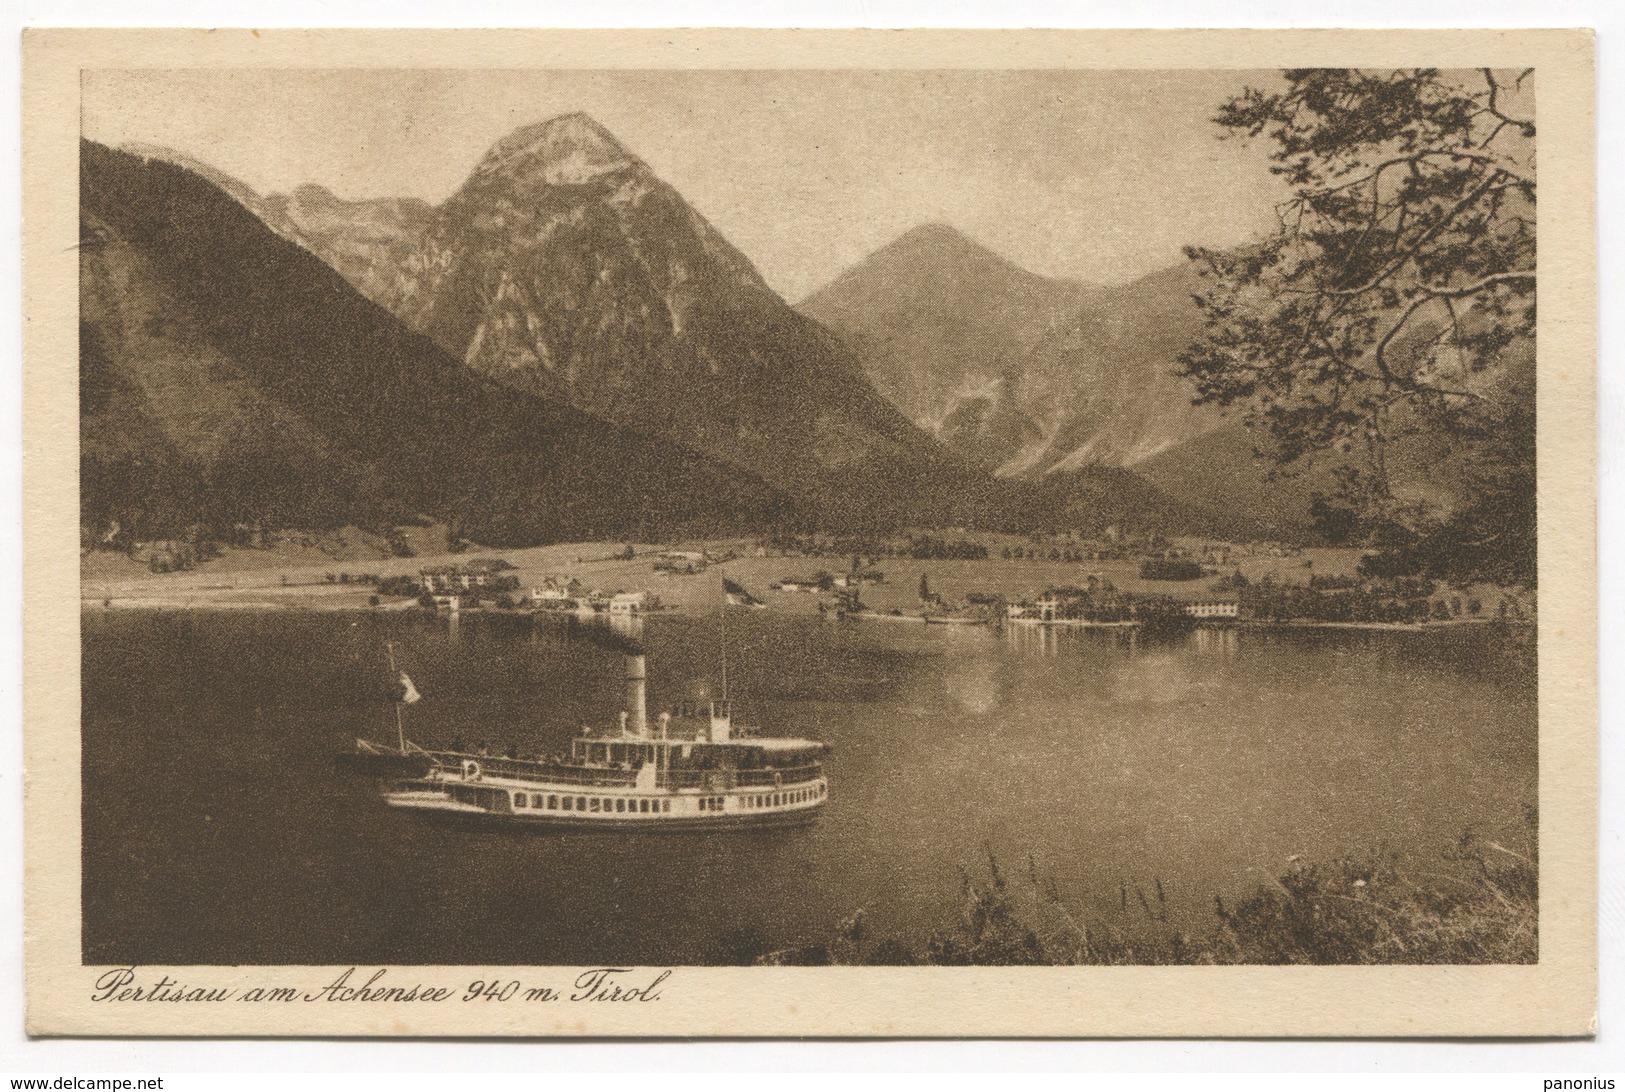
[843, 533]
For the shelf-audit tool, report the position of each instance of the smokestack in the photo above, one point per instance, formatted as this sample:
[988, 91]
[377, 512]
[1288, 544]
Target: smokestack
[636, 680]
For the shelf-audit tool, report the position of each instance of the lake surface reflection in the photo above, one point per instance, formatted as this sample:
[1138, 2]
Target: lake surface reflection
[216, 830]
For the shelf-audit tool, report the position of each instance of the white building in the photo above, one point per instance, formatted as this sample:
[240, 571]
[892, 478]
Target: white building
[629, 602]
[1214, 608]
[795, 586]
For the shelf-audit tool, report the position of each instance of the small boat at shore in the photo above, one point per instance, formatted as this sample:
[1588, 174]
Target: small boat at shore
[879, 616]
[929, 619]
[958, 620]
[691, 768]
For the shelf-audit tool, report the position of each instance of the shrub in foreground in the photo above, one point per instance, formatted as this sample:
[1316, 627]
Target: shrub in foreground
[1478, 905]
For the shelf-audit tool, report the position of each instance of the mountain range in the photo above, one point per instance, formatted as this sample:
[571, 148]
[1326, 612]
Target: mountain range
[934, 383]
[1036, 378]
[229, 377]
[364, 240]
[565, 267]
[942, 323]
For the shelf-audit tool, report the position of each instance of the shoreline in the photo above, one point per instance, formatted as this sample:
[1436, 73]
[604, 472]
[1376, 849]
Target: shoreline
[1402, 627]
[112, 604]
[245, 581]
[313, 605]
[1069, 623]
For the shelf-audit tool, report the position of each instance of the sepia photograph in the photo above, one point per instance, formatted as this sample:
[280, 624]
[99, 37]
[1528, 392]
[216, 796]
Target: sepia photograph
[612, 517]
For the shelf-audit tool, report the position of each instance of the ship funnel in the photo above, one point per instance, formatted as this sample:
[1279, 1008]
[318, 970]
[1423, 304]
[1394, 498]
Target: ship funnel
[636, 682]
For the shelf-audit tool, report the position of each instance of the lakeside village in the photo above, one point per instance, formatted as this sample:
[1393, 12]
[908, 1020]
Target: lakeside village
[1145, 582]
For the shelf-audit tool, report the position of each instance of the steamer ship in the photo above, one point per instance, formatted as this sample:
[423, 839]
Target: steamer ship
[693, 768]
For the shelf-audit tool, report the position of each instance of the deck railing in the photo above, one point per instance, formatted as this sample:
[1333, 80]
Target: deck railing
[723, 780]
[714, 780]
[539, 771]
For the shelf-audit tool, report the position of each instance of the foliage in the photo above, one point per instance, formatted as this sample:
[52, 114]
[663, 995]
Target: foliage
[1477, 905]
[1395, 299]
[136, 498]
[859, 548]
[930, 548]
[402, 586]
[1170, 568]
[1397, 601]
[1334, 522]
[398, 545]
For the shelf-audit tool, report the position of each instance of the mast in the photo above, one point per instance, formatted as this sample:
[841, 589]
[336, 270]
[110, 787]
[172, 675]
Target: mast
[394, 672]
[725, 645]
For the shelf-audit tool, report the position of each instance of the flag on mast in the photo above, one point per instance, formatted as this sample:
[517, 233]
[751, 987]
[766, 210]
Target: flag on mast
[410, 693]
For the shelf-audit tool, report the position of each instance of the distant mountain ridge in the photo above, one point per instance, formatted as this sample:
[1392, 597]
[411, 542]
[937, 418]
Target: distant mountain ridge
[1107, 377]
[1024, 373]
[940, 321]
[269, 211]
[1038, 378]
[364, 240]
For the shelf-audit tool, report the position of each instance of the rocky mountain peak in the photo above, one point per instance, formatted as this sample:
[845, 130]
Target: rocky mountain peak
[564, 267]
[940, 319]
[147, 149]
[937, 233]
[571, 149]
[934, 258]
[938, 242]
[313, 196]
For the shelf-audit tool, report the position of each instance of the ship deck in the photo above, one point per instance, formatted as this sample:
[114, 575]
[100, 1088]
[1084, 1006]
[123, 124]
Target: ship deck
[621, 806]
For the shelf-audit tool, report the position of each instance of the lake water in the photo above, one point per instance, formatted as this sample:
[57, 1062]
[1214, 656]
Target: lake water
[217, 831]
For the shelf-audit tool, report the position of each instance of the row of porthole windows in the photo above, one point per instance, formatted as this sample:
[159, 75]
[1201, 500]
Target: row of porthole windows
[641, 805]
[779, 799]
[645, 806]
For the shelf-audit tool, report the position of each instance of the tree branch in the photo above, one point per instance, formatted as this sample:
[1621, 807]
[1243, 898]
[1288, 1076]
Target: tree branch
[1393, 331]
[1527, 128]
[1477, 286]
[1421, 241]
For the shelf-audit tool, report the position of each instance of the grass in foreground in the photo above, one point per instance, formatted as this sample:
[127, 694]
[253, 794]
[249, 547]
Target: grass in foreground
[1478, 905]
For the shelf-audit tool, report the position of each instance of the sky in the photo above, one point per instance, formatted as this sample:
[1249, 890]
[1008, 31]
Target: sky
[1097, 176]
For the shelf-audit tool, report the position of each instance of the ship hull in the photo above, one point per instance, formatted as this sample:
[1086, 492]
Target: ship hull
[512, 803]
[585, 824]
